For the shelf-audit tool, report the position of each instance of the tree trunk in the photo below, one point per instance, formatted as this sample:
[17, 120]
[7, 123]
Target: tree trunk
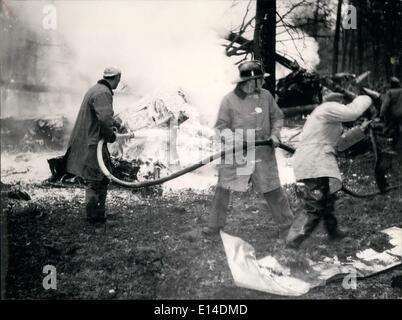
[360, 41]
[345, 43]
[316, 25]
[336, 38]
[352, 50]
[265, 39]
[375, 58]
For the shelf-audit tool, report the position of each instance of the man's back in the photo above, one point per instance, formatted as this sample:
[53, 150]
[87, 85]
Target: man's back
[392, 104]
[94, 122]
[86, 124]
[324, 125]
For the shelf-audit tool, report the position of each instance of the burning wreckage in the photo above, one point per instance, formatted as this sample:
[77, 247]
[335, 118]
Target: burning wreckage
[155, 150]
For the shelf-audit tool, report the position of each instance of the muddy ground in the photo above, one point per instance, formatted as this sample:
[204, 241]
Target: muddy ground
[149, 250]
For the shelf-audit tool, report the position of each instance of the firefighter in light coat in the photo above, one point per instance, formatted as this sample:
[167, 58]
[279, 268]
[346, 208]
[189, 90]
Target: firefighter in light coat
[249, 108]
[315, 165]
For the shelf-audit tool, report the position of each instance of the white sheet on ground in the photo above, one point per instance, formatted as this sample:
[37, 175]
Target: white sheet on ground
[268, 275]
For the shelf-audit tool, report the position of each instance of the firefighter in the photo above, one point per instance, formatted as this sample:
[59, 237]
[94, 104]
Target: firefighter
[247, 108]
[94, 122]
[391, 113]
[315, 166]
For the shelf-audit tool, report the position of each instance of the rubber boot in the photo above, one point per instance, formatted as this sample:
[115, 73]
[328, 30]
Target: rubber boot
[334, 232]
[314, 196]
[93, 195]
[331, 223]
[91, 204]
[101, 210]
[217, 218]
[301, 229]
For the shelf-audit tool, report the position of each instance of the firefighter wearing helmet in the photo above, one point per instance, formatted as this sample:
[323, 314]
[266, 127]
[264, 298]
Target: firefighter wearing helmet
[249, 112]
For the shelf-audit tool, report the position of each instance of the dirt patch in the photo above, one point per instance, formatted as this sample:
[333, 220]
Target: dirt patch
[397, 282]
[30, 249]
[144, 252]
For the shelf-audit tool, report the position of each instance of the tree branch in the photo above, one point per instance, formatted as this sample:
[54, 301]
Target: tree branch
[285, 25]
[293, 8]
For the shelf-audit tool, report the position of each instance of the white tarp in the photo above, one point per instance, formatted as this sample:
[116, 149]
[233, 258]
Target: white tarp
[268, 275]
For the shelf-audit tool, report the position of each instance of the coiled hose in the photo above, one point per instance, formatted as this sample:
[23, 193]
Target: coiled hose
[149, 183]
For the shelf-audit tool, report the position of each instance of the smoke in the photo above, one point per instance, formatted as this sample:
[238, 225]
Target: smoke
[158, 45]
[304, 51]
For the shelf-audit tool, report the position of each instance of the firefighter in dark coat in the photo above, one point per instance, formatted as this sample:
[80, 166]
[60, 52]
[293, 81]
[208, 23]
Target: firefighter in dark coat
[94, 122]
[391, 113]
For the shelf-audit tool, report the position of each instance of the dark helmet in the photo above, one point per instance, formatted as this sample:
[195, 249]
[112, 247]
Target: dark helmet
[251, 70]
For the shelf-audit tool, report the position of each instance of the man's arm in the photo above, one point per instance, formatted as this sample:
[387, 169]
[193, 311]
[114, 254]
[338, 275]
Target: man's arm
[224, 119]
[385, 104]
[276, 117]
[337, 112]
[103, 107]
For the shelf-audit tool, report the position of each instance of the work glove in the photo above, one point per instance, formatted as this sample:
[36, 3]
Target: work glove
[111, 138]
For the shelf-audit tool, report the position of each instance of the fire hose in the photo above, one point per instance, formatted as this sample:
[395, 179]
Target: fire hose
[215, 156]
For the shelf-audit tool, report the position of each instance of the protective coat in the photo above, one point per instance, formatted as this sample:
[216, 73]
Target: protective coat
[392, 105]
[94, 122]
[260, 113]
[391, 111]
[315, 155]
